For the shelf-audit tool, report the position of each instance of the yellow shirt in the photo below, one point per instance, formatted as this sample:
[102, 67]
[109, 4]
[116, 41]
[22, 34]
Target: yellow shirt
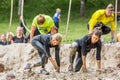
[100, 16]
[46, 26]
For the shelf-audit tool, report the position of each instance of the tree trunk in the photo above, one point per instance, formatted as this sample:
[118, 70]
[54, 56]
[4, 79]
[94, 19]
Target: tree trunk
[82, 8]
[118, 5]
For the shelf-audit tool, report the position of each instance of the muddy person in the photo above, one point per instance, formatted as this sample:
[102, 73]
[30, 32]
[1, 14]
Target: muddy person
[43, 43]
[103, 17]
[83, 46]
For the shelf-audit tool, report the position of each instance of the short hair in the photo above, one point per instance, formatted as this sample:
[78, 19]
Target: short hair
[110, 7]
[57, 37]
[40, 19]
[58, 10]
[19, 28]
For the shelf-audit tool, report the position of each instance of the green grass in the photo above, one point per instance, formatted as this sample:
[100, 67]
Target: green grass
[77, 29]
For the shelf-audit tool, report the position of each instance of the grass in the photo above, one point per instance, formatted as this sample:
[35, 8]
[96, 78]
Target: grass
[77, 29]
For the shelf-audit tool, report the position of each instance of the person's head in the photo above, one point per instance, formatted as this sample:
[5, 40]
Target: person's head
[118, 37]
[95, 36]
[10, 76]
[58, 10]
[19, 31]
[40, 19]
[109, 10]
[3, 37]
[10, 35]
[56, 39]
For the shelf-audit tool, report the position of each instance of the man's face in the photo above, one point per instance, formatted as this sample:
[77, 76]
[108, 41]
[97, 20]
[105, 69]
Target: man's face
[109, 12]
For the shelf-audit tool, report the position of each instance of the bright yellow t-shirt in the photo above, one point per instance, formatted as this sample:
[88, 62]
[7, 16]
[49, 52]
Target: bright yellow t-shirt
[100, 16]
[46, 26]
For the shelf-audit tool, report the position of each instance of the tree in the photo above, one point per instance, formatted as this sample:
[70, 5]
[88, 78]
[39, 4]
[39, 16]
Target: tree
[118, 5]
[82, 7]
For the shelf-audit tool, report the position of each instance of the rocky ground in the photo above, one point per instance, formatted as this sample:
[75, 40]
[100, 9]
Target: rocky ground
[16, 56]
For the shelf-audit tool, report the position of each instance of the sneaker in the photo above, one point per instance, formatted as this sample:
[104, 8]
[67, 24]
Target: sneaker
[70, 68]
[28, 66]
[43, 71]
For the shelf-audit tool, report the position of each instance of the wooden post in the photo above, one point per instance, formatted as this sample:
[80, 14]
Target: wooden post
[70, 2]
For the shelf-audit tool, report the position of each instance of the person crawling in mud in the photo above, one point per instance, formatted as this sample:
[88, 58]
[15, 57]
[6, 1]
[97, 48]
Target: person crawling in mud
[43, 43]
[83, 46]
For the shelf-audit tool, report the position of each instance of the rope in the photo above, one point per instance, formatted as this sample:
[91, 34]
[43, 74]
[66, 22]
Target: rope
[11, 14]
[70, 2]
[21, 11]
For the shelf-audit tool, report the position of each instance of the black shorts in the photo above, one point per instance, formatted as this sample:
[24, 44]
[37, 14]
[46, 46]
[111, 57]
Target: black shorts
[105, 29]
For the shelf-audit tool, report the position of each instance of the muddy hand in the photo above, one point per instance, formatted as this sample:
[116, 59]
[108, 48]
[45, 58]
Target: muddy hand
[84, 68]
[54, 64]
[56, 67]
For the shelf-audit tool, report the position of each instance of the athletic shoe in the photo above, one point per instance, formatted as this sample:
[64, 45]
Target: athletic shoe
[28, 66]
[43, 71]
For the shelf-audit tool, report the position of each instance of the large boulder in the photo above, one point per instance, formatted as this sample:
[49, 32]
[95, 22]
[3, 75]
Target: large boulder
[16, 56]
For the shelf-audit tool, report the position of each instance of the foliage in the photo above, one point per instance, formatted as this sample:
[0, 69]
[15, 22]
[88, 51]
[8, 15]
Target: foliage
[93, 5]
[77, 26]
[34, 7]
[3, 4]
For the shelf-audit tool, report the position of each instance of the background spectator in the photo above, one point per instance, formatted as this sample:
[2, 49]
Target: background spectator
[19, 38]
[9, 37]
[56, 18]
[3, 40]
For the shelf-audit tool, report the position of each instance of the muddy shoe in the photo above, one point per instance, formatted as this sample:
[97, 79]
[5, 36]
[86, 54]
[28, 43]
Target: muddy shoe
[70, 68]
[43, 71]
[28, 66]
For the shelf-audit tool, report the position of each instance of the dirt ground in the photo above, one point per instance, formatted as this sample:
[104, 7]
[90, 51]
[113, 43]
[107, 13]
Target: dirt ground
[16, 56]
